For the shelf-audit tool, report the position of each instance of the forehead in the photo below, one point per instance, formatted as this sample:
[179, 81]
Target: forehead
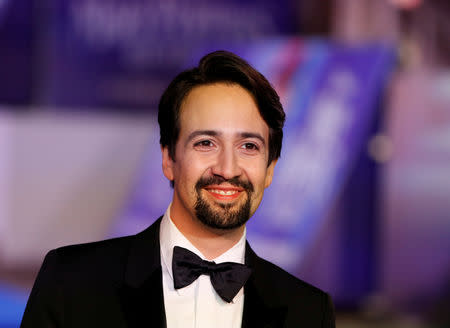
[227, 108]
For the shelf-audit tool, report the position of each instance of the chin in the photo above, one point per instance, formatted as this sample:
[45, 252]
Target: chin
[223, 218]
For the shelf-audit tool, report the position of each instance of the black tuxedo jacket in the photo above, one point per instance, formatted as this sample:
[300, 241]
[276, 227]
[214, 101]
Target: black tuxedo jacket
[118, 283]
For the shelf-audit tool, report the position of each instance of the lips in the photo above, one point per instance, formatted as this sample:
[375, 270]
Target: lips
[224, 193]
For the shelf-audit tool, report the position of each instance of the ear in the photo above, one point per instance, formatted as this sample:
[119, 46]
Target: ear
[167, 163]
[269, 173]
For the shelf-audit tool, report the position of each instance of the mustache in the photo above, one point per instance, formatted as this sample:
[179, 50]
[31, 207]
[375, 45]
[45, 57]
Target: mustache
[217, 180]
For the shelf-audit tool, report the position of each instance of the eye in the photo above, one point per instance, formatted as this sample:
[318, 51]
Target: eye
[203, 144]
[250, 146]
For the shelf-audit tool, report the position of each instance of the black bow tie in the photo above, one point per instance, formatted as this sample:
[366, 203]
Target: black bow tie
[227, 278]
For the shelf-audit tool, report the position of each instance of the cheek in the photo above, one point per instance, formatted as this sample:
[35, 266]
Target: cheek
[256, 171]
[197, 164]
[187, 172]
[258, 179]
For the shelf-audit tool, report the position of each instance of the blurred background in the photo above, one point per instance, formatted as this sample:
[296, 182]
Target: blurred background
[360, 203]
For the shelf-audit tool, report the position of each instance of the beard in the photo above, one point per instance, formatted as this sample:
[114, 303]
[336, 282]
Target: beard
[226, 217]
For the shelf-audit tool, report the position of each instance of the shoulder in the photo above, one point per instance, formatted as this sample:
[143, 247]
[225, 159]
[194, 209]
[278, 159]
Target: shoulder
[275, 281]
[304, 303]
[100, 259]
[106, 255]
[284, 284]
[93, 251]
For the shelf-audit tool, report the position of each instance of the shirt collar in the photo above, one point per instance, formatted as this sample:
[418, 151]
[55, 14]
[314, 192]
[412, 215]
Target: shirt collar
[170, 237]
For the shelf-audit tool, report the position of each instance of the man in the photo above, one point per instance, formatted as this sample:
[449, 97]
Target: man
[221, 133]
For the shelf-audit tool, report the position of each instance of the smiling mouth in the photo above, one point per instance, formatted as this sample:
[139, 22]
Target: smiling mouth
[224, 194]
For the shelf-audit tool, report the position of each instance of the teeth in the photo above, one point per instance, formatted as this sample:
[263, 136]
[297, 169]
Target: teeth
[222, 192]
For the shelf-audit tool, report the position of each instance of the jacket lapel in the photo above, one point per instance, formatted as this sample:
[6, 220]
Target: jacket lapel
[141, 295]
[259, 310]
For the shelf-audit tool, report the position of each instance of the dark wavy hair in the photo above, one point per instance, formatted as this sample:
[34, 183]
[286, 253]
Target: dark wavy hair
[221, 67]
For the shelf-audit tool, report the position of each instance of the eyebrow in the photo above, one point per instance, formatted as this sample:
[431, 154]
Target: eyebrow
[214, 133]
[201, 133]
[253, 135]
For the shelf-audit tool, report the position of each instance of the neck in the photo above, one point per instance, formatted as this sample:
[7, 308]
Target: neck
[209, 241]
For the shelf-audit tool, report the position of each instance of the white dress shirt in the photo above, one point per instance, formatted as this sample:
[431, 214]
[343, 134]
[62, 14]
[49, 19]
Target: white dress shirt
[197, 305]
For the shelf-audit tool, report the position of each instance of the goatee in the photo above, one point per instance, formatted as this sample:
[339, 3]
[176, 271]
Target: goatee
[228, 218]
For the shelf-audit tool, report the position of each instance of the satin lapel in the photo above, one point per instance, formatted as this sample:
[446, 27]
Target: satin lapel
[142, 295]
[259, 311]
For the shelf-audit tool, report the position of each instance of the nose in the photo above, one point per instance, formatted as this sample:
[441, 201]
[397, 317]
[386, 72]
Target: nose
[227, 165]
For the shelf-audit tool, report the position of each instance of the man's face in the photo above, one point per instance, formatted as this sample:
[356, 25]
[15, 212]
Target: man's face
[220, 168]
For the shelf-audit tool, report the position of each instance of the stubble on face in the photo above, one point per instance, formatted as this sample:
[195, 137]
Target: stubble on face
[225, 216]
